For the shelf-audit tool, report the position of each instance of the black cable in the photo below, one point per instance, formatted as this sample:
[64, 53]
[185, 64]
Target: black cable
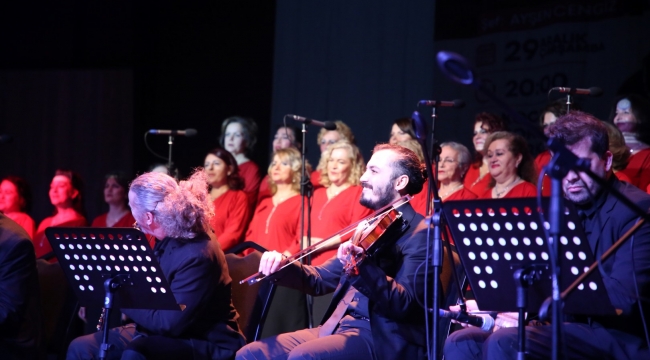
[151, 150]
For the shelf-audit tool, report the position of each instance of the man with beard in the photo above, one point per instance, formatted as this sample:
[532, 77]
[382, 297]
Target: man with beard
[376, 313]
[627, 271]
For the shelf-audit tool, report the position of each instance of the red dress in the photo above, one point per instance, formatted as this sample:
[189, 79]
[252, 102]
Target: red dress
[328, 216]
[638, 169]
[521, 190]
[472, 182]
[231, 214]
[25, 221]
[250, 172]
[540, 161]
[41, 244]
[276, 227]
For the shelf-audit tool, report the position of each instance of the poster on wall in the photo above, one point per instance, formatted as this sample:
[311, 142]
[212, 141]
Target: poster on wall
[520, 51]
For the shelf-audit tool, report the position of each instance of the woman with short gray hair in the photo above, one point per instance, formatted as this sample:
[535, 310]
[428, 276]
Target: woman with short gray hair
[455, 160]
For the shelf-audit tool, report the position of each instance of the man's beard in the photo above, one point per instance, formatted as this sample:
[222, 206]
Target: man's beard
[385, 197]
[585, 196]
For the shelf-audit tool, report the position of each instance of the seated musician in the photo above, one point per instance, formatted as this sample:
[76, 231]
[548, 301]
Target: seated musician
[605, 219]
[375, 312]
[190, 257]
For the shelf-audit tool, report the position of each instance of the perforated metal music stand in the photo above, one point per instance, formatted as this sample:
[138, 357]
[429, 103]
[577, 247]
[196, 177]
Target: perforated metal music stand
[102, 262]
[495, 238]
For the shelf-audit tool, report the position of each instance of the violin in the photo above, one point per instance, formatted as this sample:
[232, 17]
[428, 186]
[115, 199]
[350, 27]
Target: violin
[373, 221]
[370, 237]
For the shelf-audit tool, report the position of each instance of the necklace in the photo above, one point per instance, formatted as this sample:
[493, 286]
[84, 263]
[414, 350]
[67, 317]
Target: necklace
[275, 203]
[505, 189]
[451, 191]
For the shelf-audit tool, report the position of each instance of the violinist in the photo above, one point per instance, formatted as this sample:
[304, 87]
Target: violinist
[375, 312]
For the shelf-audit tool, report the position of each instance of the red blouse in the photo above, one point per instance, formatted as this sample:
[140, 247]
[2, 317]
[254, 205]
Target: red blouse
[126, 221]
[250, 172]
[638, 169]
[231, 214]
[419, 201]
[328, 216]
[472, 182]
[540, 161]
[41, 244]
[462, 194]
[622, 177]
[25, 221]
[276, 227]
[265, 191]
[523, 189]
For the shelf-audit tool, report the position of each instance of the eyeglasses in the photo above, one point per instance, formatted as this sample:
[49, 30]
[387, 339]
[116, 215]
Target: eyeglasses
[447, 161]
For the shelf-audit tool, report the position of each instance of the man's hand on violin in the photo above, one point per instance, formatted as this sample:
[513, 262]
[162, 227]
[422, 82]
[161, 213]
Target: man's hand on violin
[347, 251]
[271, 261]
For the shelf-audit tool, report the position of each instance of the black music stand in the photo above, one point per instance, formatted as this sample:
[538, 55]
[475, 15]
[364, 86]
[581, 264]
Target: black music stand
[103, 262]
[501, 240]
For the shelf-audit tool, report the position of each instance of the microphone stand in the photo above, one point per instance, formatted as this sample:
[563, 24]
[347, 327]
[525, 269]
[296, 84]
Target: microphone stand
[433, 218]
[306, 191]
[170, 164]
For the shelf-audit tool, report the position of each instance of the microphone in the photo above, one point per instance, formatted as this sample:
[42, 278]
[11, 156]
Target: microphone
[484, 322]
[329, 125]
[186, 132]
[457, 103]
[6, 138]
[593, 91]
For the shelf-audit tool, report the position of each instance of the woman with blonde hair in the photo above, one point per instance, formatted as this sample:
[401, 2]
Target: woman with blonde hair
[276, 226]
[336, 205]
[326, 138]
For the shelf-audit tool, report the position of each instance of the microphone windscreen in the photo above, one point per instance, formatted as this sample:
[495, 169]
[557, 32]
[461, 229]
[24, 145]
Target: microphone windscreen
[190, 132]
[330, 125]
[458, 103]
[418, 126]
[455, 67]
[595, 91]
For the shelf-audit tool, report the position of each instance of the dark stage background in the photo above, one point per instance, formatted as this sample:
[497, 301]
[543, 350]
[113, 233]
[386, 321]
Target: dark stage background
[80, 82]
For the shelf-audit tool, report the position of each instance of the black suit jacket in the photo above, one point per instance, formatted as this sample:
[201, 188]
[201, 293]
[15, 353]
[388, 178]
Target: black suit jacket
[21, 326]
[610, 220]
[198, 276]
[390, 282]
